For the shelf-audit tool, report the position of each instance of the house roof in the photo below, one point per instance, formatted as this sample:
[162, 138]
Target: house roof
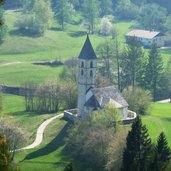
[103, 96]
[87, 51]
[143, 34]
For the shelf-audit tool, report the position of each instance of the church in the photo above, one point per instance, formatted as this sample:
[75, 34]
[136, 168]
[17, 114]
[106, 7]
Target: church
[89, 97]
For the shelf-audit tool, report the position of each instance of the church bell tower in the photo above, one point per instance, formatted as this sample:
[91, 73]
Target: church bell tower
[86, 74]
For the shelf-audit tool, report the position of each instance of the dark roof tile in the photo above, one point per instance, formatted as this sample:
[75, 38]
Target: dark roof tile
[103, 95]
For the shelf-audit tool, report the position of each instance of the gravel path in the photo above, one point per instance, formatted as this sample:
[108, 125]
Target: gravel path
[39, 134]
[164, 101]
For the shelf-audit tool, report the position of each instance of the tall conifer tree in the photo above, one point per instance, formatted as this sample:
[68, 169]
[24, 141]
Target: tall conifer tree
[3, 28]
[154, 71]
[162, 154]
[137, 148]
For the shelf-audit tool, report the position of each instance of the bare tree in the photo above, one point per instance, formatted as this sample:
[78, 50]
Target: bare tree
[14, 135]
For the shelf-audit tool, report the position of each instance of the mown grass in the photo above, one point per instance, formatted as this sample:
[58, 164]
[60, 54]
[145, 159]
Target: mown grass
[159, 120]
[14, 113]
[54, 45]
[49, 155]
[61, 45]
[18, 74]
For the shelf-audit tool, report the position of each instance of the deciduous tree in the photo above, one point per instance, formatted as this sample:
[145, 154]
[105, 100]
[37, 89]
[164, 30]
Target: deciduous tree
[106, 53]
[105, 7]
[105, 26]
[139, 100]
[153, 16]
[90, 13]
[37, 20]
[63, 12]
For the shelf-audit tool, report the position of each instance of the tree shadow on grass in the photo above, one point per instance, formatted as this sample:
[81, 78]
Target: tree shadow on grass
[168, 119]
[24, 32]
[77, 34]
[56, 29]
[24, 113]
[57, 142]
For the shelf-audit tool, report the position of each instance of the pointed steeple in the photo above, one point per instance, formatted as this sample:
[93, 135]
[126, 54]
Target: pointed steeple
[87, 51]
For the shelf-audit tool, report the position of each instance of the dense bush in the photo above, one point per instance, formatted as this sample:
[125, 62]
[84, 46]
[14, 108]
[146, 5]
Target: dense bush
[37, 20]
[139, 100]
[92, 139]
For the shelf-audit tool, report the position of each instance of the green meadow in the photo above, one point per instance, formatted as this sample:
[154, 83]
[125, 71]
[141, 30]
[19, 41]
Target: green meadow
[51, 155]
[159, 120]
[55, 45]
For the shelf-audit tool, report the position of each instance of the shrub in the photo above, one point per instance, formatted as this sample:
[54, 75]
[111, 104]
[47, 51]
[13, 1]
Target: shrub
[139, 100]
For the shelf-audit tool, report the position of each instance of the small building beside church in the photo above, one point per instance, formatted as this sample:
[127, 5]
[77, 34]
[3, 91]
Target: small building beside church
[98, 98]
[147, 38]
[91, 98]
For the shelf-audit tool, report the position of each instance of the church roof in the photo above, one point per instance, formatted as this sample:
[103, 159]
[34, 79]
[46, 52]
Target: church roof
[103, 96]
[92, 102]
[87, 51]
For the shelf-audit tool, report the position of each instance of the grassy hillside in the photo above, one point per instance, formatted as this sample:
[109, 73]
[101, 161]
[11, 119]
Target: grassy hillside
[60, 45]
[18, 74]
[14, 113]
[159, 120]
[51, 156]
[54, 45]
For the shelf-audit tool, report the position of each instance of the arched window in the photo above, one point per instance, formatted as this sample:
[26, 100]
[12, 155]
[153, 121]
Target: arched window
[91, 64]
[82, 64]
[82, 72]
[91, 73]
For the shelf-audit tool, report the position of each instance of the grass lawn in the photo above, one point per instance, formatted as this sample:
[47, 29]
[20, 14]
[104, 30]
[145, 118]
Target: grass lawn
[18, 74]
[49, 156]
[14, 113]
[61, 45]
[159, 120]
[54, 45]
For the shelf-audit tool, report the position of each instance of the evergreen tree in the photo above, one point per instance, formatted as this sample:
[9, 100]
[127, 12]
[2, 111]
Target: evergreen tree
[4, 154]
[90, 12]
[154, 71]
[63, 12]
[162, 154]
[27, 5]
[68, 167]
[5, 158]
[132, 64]
[137, 148]
[105, 7]
[3, 28]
